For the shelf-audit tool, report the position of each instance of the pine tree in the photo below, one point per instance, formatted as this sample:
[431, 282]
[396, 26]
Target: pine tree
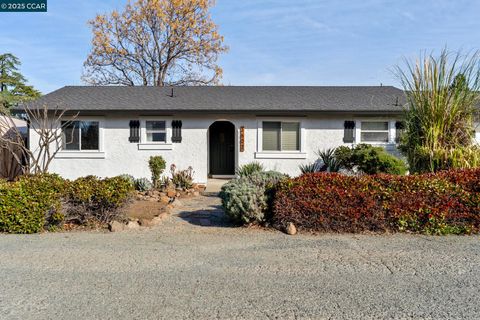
[13, 87]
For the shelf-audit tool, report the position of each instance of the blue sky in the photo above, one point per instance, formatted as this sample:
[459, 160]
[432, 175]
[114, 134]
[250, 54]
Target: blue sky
[272, 42]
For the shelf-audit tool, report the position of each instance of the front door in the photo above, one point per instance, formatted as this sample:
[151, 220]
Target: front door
[222, 148]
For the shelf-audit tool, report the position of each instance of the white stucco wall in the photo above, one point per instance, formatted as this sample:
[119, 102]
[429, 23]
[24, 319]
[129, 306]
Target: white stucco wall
[117, 155]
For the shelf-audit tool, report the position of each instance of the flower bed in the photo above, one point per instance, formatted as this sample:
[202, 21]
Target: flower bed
[442, 203]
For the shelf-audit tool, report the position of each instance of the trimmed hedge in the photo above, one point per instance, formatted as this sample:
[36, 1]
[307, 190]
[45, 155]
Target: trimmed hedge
[36, 202]
[443, 203]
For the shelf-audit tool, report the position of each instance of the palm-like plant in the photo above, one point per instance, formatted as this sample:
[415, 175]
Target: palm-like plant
[310, 167]
[442, 93]
[330, 162]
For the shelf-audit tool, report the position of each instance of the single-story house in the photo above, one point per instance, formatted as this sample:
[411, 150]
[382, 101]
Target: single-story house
[217, 129]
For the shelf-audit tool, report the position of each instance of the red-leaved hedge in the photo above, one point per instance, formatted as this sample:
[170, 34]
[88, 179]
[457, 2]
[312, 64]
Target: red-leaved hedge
[441, 203]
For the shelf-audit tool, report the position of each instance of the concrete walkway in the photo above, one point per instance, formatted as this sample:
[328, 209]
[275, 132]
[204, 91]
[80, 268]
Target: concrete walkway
[215, 185]
[201, 211]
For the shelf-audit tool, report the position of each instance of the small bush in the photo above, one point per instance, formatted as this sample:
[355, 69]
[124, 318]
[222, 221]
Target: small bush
[157, 166]
[143, 184]
[30, 204]
[93, 198]
[248, 198]
[367, 159]
[373, 160]
[447, 202]
[183, 178]
[249, 169]
[129, 178]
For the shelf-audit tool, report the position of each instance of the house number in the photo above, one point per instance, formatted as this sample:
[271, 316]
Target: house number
[242, 139]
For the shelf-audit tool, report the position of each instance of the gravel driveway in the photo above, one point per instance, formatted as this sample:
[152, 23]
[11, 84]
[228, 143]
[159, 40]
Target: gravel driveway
[185, 270]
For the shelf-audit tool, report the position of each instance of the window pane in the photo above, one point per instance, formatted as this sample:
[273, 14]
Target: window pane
[271, 136]
[378, 126]
[156, 136]
[89, 133]
[375, 136]
[290, 136]
[155, 125]
[70, 136]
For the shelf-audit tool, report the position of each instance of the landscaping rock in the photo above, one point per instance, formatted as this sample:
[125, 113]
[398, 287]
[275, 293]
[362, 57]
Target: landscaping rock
[164, 199]
[159, 219]
[116, 226]
[176, 203]
[133, 225]
[291, 229]
[196, 193]
[145, 222]
[171, 193]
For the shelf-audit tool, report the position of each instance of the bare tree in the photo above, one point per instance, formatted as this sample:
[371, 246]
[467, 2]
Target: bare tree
[47, 124]
[155, 43]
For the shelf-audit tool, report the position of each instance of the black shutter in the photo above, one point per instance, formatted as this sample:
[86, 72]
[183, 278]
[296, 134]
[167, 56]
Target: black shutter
[176, 131]
[399, 129]
[348, 134]
[134, 131]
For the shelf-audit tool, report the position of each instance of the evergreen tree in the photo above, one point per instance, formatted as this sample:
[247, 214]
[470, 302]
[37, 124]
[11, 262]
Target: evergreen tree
[13, 87]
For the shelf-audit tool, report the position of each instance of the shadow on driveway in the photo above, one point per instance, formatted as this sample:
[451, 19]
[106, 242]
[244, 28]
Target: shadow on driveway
[205, 211]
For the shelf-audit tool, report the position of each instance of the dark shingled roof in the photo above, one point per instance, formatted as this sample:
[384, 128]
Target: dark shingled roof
[226, 98]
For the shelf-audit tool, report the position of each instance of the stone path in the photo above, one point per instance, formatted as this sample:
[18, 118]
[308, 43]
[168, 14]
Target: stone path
[205, 210]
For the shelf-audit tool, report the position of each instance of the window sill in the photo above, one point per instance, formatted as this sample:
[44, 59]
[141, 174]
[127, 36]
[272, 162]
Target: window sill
[280, 155]
[378, 143]
[155, 146]
[80, 155]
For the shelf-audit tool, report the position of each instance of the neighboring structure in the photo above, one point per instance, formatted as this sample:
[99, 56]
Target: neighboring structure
[216, 129]
[10, 167]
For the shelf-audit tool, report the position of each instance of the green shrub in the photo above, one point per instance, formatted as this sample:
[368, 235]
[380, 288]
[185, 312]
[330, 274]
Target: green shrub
[182, 178]
[373, 160]
[248, 198]
[369, 160]
[157, 166]
[129, 178]
[343, 154]
[249, 169]
[143, 184]
[90, 197]
[30, 204]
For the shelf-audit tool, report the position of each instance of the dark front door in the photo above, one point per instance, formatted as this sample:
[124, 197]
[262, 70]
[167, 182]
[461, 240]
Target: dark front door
[222, 148]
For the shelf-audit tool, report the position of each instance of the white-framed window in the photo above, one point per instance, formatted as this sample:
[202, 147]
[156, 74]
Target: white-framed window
[374, 131]
[81, 135]
[156, 131]
[281, 136]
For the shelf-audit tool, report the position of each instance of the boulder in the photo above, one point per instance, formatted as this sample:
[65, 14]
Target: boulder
[164, 200]
[159, 219]
[145, 222]
[196, 193]
[171, 193]
[133, 225]
[116, 226]
[176, 203]
[291, 229]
